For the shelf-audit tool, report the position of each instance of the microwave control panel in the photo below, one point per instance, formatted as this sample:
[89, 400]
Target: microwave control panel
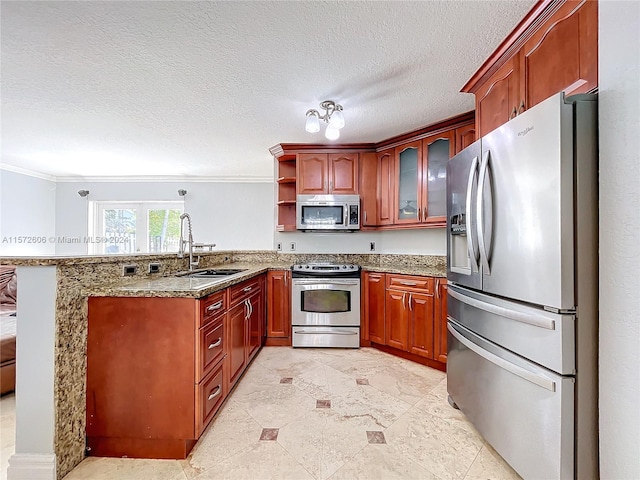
[353, 215]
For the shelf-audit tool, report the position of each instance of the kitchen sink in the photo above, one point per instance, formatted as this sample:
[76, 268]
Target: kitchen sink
[215, 273]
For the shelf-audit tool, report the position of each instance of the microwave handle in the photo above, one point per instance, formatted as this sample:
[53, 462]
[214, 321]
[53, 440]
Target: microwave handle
[346, 215]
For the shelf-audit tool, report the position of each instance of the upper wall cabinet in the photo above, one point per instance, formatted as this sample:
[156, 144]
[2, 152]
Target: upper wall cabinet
[420, 173]
[333, 173]
[553, 49]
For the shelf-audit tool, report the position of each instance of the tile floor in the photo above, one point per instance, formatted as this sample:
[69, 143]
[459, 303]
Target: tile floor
[323, 414]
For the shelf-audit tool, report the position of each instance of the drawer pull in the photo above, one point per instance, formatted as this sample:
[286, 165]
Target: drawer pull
[215, 344]
[408, 284]
[215, 306]
[214, 393]
[247, 289]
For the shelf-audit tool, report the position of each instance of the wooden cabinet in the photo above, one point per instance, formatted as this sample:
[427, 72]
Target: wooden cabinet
[562, 55]
[440, 321]
[409, 314]
[373, 328]
[377, 187]
[401, 315]
[278, 307]
[286, 193]
[497, 99]
[245, 319]
[327, 173]
[553, 49]
[158, 368]
[465, 136]
[420, 180]
[152, 366]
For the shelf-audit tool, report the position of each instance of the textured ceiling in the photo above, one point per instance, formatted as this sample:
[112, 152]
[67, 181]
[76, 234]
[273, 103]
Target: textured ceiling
[205, 88]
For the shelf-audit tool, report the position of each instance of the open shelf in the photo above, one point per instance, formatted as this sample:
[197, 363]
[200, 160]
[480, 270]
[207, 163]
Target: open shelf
[286, 180]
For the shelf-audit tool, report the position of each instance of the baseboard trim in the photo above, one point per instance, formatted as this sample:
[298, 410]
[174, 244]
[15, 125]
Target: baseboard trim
[32, 466]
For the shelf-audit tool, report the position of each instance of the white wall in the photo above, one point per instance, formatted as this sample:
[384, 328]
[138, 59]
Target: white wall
[234, 216]
[27, 209]
[619, 106]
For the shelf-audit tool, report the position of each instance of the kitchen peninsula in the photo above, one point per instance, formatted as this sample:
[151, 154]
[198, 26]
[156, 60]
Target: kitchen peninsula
[53, 306]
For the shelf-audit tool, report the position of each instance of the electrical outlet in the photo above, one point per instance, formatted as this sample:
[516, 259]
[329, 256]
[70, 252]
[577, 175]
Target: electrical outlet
[128, 270]
[292, 246]
[279, 246]
[154, 268]
[372, 246]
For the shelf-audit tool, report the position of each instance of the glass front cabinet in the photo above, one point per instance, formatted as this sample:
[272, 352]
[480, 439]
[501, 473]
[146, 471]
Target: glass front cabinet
[420, 173]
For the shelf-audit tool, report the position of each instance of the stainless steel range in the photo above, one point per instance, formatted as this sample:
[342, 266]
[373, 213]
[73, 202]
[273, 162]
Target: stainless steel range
[325, 305]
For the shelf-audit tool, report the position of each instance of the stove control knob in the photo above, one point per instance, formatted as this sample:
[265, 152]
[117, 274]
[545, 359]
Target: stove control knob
[306, 266]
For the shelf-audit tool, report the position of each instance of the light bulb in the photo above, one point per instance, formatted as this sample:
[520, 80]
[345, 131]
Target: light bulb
[313, 124]
[332, 133]
[337, 119]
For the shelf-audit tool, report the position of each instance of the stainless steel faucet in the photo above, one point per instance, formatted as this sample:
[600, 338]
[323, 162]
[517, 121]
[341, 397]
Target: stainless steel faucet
[189, 242]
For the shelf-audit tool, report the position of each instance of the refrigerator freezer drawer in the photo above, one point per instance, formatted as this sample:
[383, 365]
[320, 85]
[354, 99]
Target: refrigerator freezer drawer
[545, 338]
[524, 411]
[339, 337]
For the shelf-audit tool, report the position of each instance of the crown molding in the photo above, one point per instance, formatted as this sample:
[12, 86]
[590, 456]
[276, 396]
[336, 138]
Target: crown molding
[167, 179]
[25, 171]
[138, 179]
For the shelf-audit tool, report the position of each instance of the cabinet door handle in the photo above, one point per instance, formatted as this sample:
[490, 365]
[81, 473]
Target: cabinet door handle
[521, 107]
[514, 112]
[214, 393]
[404, 294]
[215, 306]
[424, 215]
[246, 309]
[410, 301]
[247, 289]
[419, 214]
[408, 283]
[250, 307]
[331, 185]
[365, 216]
[216, 343]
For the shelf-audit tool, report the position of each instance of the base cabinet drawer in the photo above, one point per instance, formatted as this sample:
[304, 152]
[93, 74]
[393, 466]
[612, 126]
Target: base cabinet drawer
[210, 394]
[211, 345]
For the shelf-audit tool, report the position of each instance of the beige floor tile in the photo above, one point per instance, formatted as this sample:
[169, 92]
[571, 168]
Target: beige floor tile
[231, 432]
[407, 384]
[439, 446]
[261, 461]
[99, 468]
[286, 362]
[381, 462]
[323, 441]
[274, 406]
[488, 464]
[374, 409]
[407, 402]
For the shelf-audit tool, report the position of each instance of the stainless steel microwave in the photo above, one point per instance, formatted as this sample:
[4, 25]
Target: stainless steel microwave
[328, 212]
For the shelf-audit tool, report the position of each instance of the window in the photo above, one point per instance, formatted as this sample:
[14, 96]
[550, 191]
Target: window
[143, 227]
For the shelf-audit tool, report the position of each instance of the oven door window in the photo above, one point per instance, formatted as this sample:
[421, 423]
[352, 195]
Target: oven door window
[323, 215]
[325, 301]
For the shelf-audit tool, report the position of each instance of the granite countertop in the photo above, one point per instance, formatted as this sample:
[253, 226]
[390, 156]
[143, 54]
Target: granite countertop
[182, 286]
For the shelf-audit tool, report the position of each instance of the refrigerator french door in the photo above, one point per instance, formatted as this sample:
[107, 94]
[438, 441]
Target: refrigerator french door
[522, 319]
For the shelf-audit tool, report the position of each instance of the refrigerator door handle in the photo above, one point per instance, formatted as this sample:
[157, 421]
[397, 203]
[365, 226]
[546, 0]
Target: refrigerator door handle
[534, 320]
[480, 213]
[471, 248]
[502, 363]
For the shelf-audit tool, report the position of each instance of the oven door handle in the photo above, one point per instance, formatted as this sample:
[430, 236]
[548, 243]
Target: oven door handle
[325, 281]
[330, 332]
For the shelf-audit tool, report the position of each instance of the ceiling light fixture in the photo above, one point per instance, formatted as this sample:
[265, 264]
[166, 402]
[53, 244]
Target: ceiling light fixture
[333, 117]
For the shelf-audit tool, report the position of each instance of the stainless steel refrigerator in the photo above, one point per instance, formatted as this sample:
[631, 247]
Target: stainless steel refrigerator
[522, 217]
